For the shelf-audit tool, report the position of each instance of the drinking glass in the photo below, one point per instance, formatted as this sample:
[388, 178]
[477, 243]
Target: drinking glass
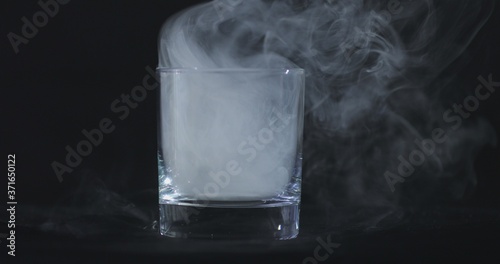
[230, 152]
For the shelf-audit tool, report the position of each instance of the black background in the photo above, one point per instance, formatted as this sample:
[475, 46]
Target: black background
[65, 79]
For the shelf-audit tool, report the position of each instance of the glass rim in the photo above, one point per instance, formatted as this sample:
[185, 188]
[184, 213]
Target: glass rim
[223, 70]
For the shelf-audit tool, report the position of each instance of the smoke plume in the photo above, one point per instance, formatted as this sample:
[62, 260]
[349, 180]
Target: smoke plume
[374, 84]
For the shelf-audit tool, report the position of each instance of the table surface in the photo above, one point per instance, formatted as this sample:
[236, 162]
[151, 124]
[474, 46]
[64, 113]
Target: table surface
[360, 235]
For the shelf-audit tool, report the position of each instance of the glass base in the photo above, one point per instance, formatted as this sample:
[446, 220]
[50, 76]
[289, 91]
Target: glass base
[230, 221]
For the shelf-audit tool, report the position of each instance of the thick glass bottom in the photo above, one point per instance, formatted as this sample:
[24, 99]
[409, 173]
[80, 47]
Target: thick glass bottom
[230, 221]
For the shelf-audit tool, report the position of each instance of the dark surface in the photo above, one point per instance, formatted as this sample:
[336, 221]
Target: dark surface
[91, 52]
[431, 235]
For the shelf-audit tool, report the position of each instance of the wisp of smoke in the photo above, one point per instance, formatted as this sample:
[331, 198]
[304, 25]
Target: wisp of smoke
[371, 84]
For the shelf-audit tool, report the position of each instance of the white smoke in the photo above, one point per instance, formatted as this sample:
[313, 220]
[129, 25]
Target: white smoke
[373, 82]
[222, 132]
